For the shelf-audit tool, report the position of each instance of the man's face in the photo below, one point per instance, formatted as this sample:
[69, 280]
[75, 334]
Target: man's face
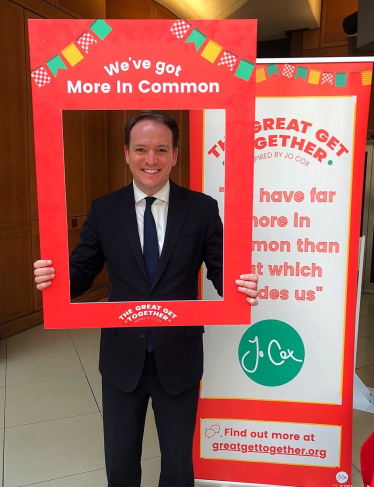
[151, 155]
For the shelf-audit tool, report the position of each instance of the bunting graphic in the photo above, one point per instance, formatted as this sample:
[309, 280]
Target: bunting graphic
[367, 77]
[341, 80]
[260, 75]
[72, 54]
[40, 76]
[314, 77]
[327, 78]
[288, 70]
[101, 28]
[301, 73]
[85, 41]
[272, 69]
[197, 38]
[228, 59]
[244, 70]
[211, 51]
[180, 28]
[55, 64]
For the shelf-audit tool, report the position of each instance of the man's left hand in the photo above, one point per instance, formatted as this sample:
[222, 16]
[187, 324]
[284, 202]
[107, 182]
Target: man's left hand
[247, 284]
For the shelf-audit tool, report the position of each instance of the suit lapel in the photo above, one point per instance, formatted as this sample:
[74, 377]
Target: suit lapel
[176, 215]
[127, 214]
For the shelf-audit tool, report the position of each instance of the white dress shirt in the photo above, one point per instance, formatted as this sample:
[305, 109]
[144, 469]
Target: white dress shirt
[159, 210]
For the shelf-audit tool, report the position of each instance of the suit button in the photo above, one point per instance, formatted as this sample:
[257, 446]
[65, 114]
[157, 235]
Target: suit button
[142, 335]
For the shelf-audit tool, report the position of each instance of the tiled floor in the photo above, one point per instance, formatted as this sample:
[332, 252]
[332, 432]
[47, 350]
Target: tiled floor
[50, 405]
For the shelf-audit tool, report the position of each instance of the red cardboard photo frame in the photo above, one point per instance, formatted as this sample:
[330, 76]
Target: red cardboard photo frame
[132, 65]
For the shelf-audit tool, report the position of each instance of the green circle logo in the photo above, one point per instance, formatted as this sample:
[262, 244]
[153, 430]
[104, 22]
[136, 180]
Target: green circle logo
[271, 353]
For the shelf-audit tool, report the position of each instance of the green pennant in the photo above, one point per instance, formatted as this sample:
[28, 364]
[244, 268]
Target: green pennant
[55, 64]
[341, 80]
[197, 38]
[101, 28]
[244, 70]
[272, 69]
[301, 73]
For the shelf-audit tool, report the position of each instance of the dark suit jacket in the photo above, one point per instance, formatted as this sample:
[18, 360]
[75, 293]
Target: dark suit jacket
[110, 234]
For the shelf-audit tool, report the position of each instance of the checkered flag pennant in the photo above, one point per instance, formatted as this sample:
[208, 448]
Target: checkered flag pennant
[40, 76]
[180, 28]
[228, 59]
[289, 70]
[86, 40]
[327, 78]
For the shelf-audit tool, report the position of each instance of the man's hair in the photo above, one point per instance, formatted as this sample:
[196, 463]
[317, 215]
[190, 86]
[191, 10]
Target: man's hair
[156, 116]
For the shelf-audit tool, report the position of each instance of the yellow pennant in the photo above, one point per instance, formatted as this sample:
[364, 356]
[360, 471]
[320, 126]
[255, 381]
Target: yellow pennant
[72, 54]
[211, 51]
[314, 77]
[260, 75]
[367, 77]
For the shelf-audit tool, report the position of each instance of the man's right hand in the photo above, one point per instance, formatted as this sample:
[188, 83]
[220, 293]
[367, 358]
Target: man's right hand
[43, 273]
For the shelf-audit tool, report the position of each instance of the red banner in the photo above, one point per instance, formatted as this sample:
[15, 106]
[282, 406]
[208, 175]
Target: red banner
[276, 396]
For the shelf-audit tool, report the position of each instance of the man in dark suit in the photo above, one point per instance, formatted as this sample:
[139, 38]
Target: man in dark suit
[153, 236]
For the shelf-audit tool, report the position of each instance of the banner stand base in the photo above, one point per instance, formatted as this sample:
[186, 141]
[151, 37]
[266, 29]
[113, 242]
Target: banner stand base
[363, 397]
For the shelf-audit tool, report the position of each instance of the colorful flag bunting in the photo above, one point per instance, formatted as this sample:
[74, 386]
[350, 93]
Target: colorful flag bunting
[40, 76]
[327, 78]
[180, 28]
[228, 59]
[314, 77]
[272, 69]
[211, 51]
[341, 80]
[197, 38]
[72, 54]
[260, 75]
[85, 41]
[301, 73]
[244, 70]
[55, 64]
[367, 77]
[288, 70]
[101, 28]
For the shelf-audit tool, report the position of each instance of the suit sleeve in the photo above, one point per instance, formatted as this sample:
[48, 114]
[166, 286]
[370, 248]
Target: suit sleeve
[213, 255]
[87, 258]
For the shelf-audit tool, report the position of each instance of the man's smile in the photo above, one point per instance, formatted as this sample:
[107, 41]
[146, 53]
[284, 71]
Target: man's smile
[151, 171]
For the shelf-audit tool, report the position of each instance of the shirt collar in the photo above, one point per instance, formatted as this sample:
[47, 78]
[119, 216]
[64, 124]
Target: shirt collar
[162, 195]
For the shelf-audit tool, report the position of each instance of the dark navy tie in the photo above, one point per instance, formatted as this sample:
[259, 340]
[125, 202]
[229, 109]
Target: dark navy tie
[150, 251]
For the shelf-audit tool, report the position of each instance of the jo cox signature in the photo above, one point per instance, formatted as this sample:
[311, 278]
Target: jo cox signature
[274, 347]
